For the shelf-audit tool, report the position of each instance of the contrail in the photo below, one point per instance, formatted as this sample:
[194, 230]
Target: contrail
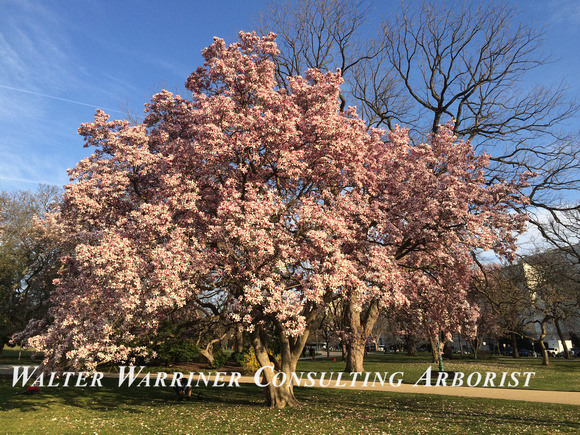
[58, 98]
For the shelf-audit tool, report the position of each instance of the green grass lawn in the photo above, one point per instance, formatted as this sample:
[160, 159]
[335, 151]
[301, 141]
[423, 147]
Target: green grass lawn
[561, 375]
[114, 410]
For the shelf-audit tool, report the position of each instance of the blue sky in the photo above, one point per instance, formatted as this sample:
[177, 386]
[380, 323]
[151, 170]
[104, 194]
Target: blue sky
[61, 59]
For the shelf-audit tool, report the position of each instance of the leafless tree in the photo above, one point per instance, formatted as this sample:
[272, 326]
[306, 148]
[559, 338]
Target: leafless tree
[541, 289]
[506, 300]
[466, 62]
[431, 63]
[323, 34]
[556, 289]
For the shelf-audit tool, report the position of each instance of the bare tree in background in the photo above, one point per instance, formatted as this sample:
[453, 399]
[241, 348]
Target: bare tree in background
[555, 282]
[434, 62]
[467, 62]
[322, 34]
[525, 297]
[507, 299]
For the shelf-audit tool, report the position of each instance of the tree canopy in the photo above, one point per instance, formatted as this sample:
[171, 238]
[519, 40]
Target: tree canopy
[29, 257]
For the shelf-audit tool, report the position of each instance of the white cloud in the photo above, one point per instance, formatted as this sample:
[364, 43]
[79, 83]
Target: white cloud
[563, 12]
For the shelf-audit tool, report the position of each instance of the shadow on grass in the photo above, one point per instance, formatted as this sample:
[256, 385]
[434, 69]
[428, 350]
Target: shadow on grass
[111, 396]
[372, 409]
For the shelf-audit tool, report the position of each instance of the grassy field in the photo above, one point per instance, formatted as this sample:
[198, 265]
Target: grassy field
[561, 375]
[114, 410]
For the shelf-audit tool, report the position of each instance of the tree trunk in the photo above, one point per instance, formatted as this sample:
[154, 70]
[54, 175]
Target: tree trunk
[411, 342]
[434, 349]
[447, 350]
[279, 391]
[282, 396]
[476, 345]
[515, 351]
[545, 356]
[359, 325]
[207, 353]
[355, 351]
[355, 339]
[239, 346]
[566, 351]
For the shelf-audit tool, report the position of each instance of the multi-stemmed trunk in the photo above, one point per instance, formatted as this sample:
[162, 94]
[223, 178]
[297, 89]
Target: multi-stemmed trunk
[359, 325]
[277, 375]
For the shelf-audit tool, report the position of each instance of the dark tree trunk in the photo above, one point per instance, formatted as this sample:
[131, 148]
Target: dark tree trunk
[239, 337]
[516, 352]
[411, 343]
[447, 351]
[566, 351]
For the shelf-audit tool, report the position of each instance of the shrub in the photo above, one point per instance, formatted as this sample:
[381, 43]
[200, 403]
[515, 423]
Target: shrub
[178, 351]
[220, 358]
[485, 354]
[249, 362]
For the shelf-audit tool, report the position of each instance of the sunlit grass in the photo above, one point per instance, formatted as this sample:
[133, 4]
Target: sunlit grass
[113, 410]
[561, 375]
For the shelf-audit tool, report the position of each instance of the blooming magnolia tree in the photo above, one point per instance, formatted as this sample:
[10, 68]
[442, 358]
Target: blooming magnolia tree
[428, 209]
[271, 197]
